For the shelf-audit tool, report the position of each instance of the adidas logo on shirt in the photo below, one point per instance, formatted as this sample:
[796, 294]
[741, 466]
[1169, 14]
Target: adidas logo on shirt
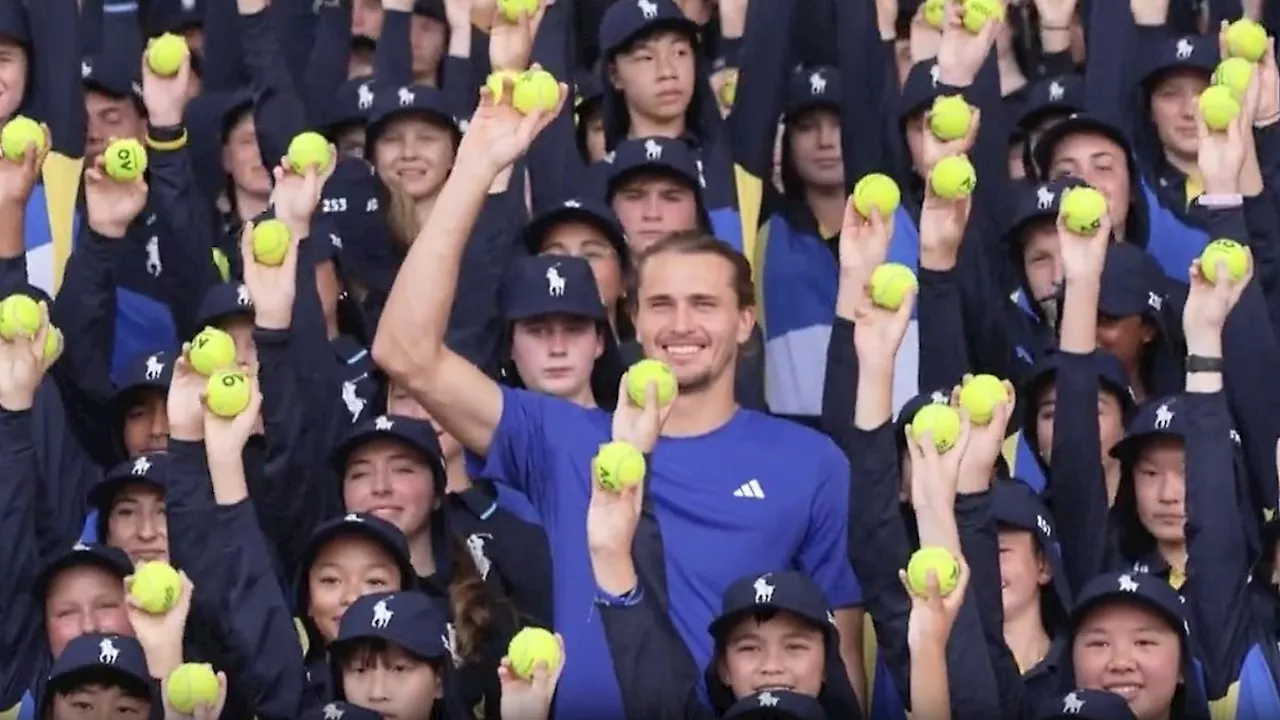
[750, 489]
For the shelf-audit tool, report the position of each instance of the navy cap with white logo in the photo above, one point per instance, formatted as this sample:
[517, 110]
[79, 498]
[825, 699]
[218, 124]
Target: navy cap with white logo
[374, 528]
[786, 591]
[339, 710]
[583, 209]
[118, 657]
[627, 20]
[1156, 417]
[417, 434]
[113, 560]
[661, 155]
[776, 705]
[1086, 705]
[150, 469]
[411, 620]
[153, 370]
[811, 87]
[223, 301]
[551, 285]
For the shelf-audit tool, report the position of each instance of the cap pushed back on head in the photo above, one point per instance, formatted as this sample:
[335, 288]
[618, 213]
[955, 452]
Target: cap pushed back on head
[694, 242]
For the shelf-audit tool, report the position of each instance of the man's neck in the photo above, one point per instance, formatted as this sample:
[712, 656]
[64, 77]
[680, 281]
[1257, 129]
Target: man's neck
[703, 412]
[250, 205]
[1025, 636]
[827, 206]
[421, 555]
[642, 126]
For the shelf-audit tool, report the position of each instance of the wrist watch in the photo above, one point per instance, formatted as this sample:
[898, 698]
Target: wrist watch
[1200, 363]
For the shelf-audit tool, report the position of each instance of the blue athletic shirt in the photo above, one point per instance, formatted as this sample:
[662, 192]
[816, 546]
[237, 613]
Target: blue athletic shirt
[759, 494]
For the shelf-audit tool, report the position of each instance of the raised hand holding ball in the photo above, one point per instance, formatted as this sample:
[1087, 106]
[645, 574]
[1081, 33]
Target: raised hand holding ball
[166, 54]
[191, 684]
[18, 135]
[941, 422]
[271, 242]
[890, 284]
[308, 150]
[227, 393]
[212, 350]
[125, 160]
[156, 587]
[981, 395]
[648, 371]
[531, 646]
[618, 465]
[1228, 253]
[876, 192]
[943, 564]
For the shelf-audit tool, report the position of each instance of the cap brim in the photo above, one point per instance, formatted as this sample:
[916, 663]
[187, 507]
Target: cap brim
[1083, 609]
[649, 168]
[409, 576]
[338, 459]
[680, 24]
[720, 627]
[1079, 124]
[537, 229]
[73, 559]
[102, 494]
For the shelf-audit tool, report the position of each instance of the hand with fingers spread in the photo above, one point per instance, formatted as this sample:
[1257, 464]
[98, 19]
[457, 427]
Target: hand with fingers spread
[1208, 305]
[934, 474]
[961, 52]
[23, 365]
[271, 288]
[201, 711]
[529, 699]
[183, 406]
[112, 205]
[295, 195]
[639, 425]
[498, 135]
[933, 615]
[161, 635]
[986, 442]
[165, 97]
[18, 179]
[226, 437]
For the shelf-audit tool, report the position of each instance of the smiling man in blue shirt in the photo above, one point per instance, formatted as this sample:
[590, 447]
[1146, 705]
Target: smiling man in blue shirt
[732, 491]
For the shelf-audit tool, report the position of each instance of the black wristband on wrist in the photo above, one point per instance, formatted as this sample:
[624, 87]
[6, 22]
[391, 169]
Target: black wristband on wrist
[1200, 363]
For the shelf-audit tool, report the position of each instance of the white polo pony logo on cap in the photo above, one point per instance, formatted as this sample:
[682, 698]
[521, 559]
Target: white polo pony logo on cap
[1127, 583]
[555, 281]
[383, 423]
[406, 97]
[364, 96]
[154, 368]
[1044, 198]
[1056, 91]
[1072, 704]
[381, 614]
[1164, 417]
[652, 150]
[140, 467]
[764, 591]
[107, 652]
[1184, 48]
[648, 9]
[333, 712]
[817, 83]
[768, 699]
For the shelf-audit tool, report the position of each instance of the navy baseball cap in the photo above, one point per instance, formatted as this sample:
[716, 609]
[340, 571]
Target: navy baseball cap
[786, 591]
[812, 87]
[1111, 378]
[13, 23]
[1130, 283]
[95, 655]
[1076, 124]
[430, 8]
[371, 527]
[1057, 95]
[1086, 705]
[628, 20]
[1034, 202]
[418, 100]
[407, 619]
[153, 370]
[1185, 52]
[660, 155]
[1142, 588]
[1159, 417]
[551, 285]
[351, 104]
[113, 560]
[223, 301]
[587, 210]
[174, 16]
[777, 705]
[939, 396]
[1014, 504]
[339, 710]
[113, 74]
[920, 90]
[150, 469]
[417, 434]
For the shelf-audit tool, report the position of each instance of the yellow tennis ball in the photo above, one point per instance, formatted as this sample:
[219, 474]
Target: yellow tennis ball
[212, 350]
[52, 345]
[270, 242]
[950, 117]
[1082, 210]
[166, 54]
[1218, 107]
[617, 465]
[156, 586]
[191, 684]
[222, 264]
[941, 562]
[308, 150]
[496, 82]
[953, 178]
[890, 284]
[876, 192]
[729, 89]
[19, 317]
[980, 397]
[19, 134]
[227, 393]
[511, 9]
[1227, 252]
[126, 159]
[1246, 39]
[935, 12]
[535, 90]
[651, 371]
[941, 421]
[978, 13]
[1234, 73]
[531, 646]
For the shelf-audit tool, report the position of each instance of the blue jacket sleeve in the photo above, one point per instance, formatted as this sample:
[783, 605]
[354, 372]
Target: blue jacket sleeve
[21, 630]
[655, 671]
[393, 58]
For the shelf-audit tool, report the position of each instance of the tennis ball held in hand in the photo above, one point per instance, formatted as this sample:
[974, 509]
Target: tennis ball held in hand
[531, 646]
[52, 345]
[942, 422]
[953, 178]
[618, 465]
[511, 9]
[1234, 73]
[191, 684]
[935, 13]
[497, 83]
[227, 393]
[1218, 107]
[270, 242]
[212, 350]
[20, 316]
[950, 117]
[19, 134]
[648, 371]
[308, 150]
[535, 90]
[890, 284]
[1082, 210]
[1247, 40]
[977, 13]
[981, 395]
[166, 54]
[156, 586]
[941, 562]
[125, 160]
[876, 192]
[1226, 252]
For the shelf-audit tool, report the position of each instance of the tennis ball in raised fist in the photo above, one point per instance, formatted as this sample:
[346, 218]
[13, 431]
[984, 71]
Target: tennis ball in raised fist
[191, 684]
[981, 395]
[511, 9]
[212, 350]
[935, 12]
[52, 344]
[890, 284]
[1234, 73]
[531, 646]
[19, 317]
[19, 134]
[977, 13]
[953, 178]
[1226, 252]
[943, 564]
[166, 54]
[1082, 210]
[535, 90]
[497, 82]
[227, 393]
[876, 192]
[940, 421]
[270, 242]
[1218, 107]
[156, 586]
[125, 159]
[950, 117]
[648, 371]
[1246, 39]
[308, 150]
[617, 465]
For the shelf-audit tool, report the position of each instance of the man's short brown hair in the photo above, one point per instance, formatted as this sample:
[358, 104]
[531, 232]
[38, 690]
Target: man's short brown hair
[694, 242]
